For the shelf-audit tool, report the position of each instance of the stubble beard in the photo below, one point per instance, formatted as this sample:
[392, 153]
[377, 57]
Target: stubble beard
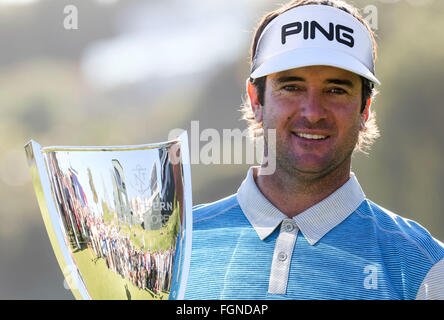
[287, 162]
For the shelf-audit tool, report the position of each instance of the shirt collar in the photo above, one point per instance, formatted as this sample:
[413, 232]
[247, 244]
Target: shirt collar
[314, 222]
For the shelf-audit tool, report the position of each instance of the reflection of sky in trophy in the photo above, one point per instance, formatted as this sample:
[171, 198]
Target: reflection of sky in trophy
[137, 177]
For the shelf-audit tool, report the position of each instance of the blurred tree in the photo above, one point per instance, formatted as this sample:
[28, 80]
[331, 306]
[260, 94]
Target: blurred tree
[93, 188]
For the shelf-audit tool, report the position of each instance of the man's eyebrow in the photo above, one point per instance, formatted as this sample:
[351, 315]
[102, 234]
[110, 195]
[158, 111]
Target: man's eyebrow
[343, 82]
[285, 79]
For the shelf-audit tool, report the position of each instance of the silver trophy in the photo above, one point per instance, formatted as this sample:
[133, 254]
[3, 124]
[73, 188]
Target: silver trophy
[118, 218]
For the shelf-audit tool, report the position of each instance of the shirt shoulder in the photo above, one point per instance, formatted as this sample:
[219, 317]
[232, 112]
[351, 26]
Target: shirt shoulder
[402, 231]
[208, 211]
[408, 247]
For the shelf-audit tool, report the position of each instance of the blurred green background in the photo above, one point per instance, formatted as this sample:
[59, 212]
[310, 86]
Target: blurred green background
[135, 69]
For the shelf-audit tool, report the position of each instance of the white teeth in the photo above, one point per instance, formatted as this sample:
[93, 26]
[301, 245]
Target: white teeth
[311, 136]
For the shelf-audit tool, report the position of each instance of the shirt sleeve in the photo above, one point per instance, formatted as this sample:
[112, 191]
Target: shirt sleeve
[432, 287]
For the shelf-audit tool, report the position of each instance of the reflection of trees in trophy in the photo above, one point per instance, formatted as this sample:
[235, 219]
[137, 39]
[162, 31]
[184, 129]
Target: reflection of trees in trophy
[79, 202]
[152, 219]
[93, 188]
[71, 201]
[121, 202]
[60, 187]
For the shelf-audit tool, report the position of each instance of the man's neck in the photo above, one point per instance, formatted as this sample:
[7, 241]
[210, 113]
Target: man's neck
[293, 195]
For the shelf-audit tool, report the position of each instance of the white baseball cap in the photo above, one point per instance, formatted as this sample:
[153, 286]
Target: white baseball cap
[312, 35]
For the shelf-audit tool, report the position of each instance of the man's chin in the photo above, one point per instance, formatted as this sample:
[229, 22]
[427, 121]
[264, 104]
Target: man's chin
[308, 170]
[312, 163]
[311, 167]
[311, 173]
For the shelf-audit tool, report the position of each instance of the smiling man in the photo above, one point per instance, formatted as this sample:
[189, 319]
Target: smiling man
[316, 114]
[307, 231]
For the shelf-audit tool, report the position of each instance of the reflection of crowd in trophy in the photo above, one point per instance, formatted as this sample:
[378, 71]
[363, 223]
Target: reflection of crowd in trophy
[146, 270]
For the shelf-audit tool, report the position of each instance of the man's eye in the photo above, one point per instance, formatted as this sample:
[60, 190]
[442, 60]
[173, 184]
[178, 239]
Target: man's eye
[336, 91]
[291, 88]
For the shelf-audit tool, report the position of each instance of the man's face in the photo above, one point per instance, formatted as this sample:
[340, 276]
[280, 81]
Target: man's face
[316, 113]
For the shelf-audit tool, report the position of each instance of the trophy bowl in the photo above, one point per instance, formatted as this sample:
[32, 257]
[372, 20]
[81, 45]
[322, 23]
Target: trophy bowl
[118, 218]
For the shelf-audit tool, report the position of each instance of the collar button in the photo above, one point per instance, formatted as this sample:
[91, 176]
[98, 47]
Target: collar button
[288, 226]
[282, 256]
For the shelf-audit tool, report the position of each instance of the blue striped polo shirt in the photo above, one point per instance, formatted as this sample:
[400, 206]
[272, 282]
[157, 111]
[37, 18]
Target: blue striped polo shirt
[344, 247]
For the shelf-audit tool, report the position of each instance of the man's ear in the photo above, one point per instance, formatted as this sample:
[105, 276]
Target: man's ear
[256, 107]
[366, 113]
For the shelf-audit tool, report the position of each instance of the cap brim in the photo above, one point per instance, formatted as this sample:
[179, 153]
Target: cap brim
[313, 57]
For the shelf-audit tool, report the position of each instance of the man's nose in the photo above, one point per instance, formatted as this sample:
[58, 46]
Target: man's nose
[312, 107]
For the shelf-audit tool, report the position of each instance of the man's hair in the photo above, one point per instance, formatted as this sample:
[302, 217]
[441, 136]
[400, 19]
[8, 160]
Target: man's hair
[370, 132]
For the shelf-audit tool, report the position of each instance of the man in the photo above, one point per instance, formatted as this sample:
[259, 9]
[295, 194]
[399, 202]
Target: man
[306, 231]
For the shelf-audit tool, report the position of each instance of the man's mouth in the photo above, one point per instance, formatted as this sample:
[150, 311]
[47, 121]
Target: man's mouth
[310, 136]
